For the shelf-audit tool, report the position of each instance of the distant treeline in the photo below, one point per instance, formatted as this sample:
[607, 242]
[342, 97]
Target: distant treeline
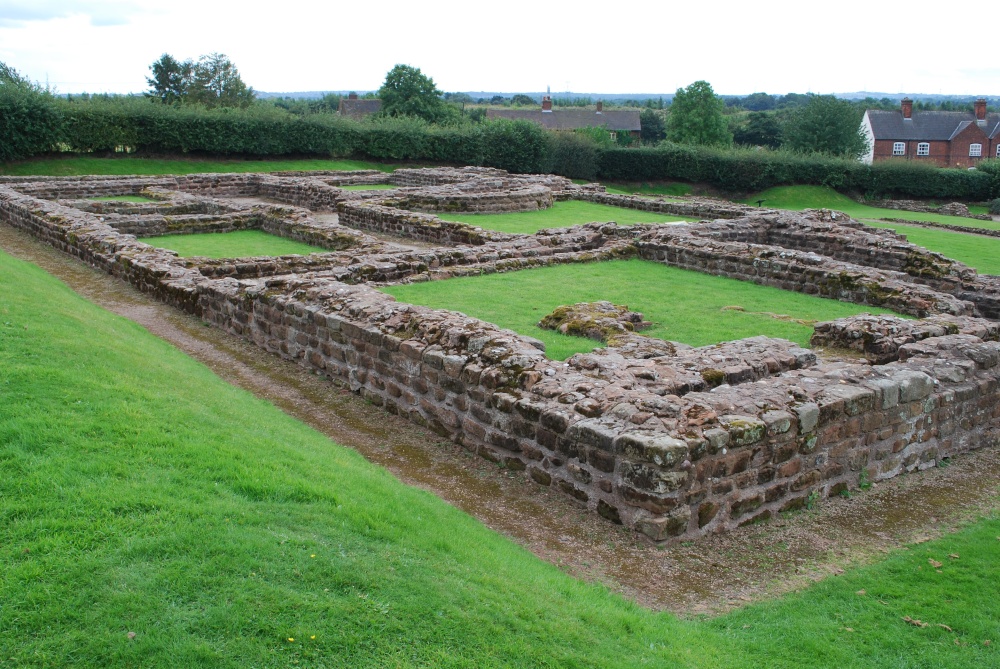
[34, 123]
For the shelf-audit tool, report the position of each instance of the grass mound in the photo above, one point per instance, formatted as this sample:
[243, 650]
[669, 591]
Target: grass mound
[237, 244]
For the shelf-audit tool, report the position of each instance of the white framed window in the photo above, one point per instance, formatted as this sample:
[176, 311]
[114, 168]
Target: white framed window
[899, 148]
[975, 150]
[923, 149]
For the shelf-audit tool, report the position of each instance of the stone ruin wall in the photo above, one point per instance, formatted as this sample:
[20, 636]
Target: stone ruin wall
[674, 443]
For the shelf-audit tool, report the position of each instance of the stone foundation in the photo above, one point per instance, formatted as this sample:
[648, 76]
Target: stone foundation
[670, 440]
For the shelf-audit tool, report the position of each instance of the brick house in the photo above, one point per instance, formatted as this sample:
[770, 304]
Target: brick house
[945, 139]
[615, 121]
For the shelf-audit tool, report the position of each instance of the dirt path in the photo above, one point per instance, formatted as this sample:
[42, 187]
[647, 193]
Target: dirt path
[707, 576]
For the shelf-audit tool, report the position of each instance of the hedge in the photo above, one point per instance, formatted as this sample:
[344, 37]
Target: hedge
[33, 122]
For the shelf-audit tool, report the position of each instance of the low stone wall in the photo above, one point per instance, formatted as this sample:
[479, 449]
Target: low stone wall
[424, 227]
[688, 207]
[881, 337]
[670, 440]
[531, 198]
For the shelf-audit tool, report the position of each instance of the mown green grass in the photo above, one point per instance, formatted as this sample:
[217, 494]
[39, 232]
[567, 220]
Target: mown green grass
[78, 165]
[237, 244]
[123, 198]
[857, 619]
[977, 251]
[559, 215]
[666, 189]
[143, 495]
[821, 197]
[684, 305]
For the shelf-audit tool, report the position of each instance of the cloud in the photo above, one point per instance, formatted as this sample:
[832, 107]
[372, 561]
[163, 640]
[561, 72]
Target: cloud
[16, 13]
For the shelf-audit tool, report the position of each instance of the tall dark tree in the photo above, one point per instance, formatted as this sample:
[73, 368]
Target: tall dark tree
[216, 82]
[826, 124]
[653, 128]
[759, 129]
[696, 117]
[408, 92]
[171, 79]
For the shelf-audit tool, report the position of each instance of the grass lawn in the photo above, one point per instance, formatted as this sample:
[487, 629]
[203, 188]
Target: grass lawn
[559, 215]
[684, 305]
[821, 197]
[77, 165]
[124, 198]
[977, 251]
[155, 516]
[659, 188]
[238, 244]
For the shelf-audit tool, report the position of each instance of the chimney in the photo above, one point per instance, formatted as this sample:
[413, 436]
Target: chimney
[600, 106]
[546, 104]
[352, 96]
[981, 110]
[906, 106]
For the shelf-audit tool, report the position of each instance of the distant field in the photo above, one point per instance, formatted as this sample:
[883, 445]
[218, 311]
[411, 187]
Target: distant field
[238, 244]
[560, 215]
[684, 305]
[78, 165]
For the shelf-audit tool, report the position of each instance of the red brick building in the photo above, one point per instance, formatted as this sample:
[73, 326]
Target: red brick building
[945, 139]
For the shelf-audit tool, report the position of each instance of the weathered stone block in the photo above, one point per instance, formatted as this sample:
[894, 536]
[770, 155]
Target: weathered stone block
[659, 449]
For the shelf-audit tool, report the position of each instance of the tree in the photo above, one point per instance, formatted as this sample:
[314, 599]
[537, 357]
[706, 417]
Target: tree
[696, 117]
[826, 124]
[523, 100]
[408, 92]
[652, 127]
[760, 129]
[171, 79]
[215, 82]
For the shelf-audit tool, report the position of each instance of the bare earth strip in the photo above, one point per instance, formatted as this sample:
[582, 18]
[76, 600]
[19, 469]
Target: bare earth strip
[708, 576]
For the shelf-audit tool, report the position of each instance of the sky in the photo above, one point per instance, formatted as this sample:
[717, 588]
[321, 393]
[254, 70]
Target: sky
[107, 46]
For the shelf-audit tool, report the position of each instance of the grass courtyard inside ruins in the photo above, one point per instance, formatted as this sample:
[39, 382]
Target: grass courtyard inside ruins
[236, 244]
[685, 306]
[560, 215]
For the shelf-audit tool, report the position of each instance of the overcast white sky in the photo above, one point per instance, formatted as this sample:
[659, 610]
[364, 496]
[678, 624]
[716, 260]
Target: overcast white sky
[641, 46]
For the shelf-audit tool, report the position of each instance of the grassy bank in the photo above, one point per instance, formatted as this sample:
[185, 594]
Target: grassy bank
[685, 306]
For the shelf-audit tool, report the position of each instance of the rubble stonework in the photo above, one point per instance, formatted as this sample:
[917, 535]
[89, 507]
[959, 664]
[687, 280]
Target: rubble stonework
[671, 440]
